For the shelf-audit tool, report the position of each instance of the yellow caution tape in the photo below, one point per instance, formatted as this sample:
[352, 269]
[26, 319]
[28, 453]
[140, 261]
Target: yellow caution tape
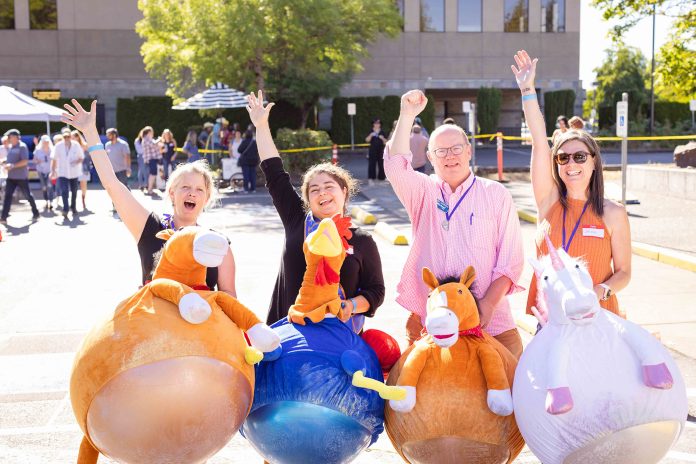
[477, 136]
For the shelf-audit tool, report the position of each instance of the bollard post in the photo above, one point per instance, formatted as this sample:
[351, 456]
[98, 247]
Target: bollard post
[499, 135]
[334, 154]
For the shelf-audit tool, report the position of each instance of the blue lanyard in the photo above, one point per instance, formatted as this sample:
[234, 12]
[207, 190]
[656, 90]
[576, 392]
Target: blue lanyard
[566, 246]
[448, 215]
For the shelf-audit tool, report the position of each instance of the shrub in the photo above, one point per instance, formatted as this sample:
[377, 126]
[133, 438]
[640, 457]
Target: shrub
[488, 102]
[296, 163]
[556, 103]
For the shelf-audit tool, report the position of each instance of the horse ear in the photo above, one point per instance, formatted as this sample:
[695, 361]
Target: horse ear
[165, 234]
[536, 265]
[468, 277]
[430, 279]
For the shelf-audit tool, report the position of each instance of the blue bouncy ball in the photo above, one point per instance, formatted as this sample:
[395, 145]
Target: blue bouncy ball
[305, 408]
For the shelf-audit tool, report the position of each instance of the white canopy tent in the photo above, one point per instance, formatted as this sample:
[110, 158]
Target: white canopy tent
[15, 106]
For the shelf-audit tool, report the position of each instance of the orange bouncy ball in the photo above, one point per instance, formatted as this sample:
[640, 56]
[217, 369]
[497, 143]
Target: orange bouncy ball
[459, 378]
[167, 377]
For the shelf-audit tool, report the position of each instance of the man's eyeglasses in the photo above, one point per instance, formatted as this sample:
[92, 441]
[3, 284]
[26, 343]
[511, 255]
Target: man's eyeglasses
[579, 157]
[455, 149]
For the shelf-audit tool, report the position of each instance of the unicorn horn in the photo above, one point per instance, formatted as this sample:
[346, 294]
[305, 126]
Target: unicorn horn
[555, 259]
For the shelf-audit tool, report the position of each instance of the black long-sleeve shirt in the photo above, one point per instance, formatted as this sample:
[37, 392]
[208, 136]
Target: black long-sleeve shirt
[361, 273]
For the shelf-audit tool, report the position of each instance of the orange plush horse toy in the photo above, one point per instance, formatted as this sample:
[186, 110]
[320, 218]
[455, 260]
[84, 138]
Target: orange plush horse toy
[458, 379]
[168, 378]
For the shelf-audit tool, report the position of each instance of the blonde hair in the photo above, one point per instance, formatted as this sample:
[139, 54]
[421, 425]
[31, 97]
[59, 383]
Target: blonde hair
[197, 167]
[443, 128]
[342, 177]
[76, 135]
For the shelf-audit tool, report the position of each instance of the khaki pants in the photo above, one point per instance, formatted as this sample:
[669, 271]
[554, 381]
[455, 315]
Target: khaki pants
[510, 339]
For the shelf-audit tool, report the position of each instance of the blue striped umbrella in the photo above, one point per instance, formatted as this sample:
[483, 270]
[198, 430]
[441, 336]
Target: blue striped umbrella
[217, 96]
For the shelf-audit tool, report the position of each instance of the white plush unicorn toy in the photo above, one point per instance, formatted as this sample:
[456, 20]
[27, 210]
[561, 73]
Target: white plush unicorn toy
[592, 387]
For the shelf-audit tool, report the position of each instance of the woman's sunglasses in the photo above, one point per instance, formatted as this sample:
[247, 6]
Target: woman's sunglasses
[579, 157]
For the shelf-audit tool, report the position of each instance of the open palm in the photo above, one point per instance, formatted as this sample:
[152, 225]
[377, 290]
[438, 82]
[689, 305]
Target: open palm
[257, 111]
[77, 117]
[525, 70]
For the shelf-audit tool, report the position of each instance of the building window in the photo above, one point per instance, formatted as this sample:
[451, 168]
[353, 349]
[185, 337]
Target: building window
[516, 15]
[43, 14]
[552, 15]
[7, 14]
[432, 15]
[469, 17]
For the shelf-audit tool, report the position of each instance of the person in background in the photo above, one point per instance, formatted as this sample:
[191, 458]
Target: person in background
[190, 147]
[66, 165]
[86, 166]
[576, 123]
[57, 138]
[205, 135]
[142, 166]
[119, 154]
[563, 126]
[16, 166]
[151, 156]
[376, 139]
[168, 144]
[42, 161]
[449, 121]
[234, 143]
[249, 161]
[419, 148]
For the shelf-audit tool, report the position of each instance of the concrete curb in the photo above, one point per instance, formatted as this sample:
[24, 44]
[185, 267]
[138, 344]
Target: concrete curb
[390, 234]
[656, 253]
[363, 216]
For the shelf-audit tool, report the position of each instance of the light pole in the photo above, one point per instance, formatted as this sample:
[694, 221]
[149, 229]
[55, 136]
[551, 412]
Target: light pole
[652, 77]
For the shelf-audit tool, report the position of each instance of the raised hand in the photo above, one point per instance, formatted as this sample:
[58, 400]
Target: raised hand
[525, 70]
[413, 102]
[80, 119]
[257, 112]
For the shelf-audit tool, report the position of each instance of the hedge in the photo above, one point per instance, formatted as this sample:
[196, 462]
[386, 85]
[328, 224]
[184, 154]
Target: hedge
[557, 103]
[488, 101]
[367, 109]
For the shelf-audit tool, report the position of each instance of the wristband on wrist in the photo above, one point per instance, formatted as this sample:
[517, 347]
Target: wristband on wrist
[531, 96]
[355, 305]
[96, 147]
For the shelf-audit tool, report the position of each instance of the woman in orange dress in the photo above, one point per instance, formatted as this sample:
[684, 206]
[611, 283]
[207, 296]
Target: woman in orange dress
[569, 194]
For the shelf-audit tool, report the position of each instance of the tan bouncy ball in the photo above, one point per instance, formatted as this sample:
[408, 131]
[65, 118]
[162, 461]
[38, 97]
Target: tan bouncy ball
[459, 378]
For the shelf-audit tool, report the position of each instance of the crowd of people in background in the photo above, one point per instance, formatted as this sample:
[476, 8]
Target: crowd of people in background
[63, 164]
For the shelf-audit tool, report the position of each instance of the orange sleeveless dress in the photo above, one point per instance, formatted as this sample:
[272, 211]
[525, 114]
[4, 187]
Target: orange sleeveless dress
[596, 251]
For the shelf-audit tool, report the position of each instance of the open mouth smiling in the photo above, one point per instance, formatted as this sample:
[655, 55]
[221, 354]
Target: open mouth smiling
[189, 205]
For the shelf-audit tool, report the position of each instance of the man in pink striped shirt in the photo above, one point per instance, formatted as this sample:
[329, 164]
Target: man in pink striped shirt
[458, 220]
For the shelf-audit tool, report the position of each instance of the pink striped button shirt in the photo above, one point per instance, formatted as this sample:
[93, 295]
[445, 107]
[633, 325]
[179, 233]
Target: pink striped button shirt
[484, 232]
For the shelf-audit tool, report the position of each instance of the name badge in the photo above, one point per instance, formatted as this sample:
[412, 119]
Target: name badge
[442, 206]
[593, 231]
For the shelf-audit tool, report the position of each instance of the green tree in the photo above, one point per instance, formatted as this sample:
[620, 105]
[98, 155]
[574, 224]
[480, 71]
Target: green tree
[299, 51]
[676, 59]
[623, 70]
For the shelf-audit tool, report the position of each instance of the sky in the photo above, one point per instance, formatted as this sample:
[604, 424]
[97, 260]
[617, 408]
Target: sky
[593, 39]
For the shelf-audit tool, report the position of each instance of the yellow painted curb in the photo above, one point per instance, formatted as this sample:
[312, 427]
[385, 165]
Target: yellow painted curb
[389, 233]
[363, 216]
[527, 216]
[646, 251]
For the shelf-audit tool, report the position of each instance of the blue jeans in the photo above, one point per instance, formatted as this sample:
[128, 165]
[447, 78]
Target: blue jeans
[66, 184]
[46, 187]
[10, 186]
[249, 173]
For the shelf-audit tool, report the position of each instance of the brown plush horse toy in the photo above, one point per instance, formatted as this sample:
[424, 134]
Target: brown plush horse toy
[458, 378]
[168, 377]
